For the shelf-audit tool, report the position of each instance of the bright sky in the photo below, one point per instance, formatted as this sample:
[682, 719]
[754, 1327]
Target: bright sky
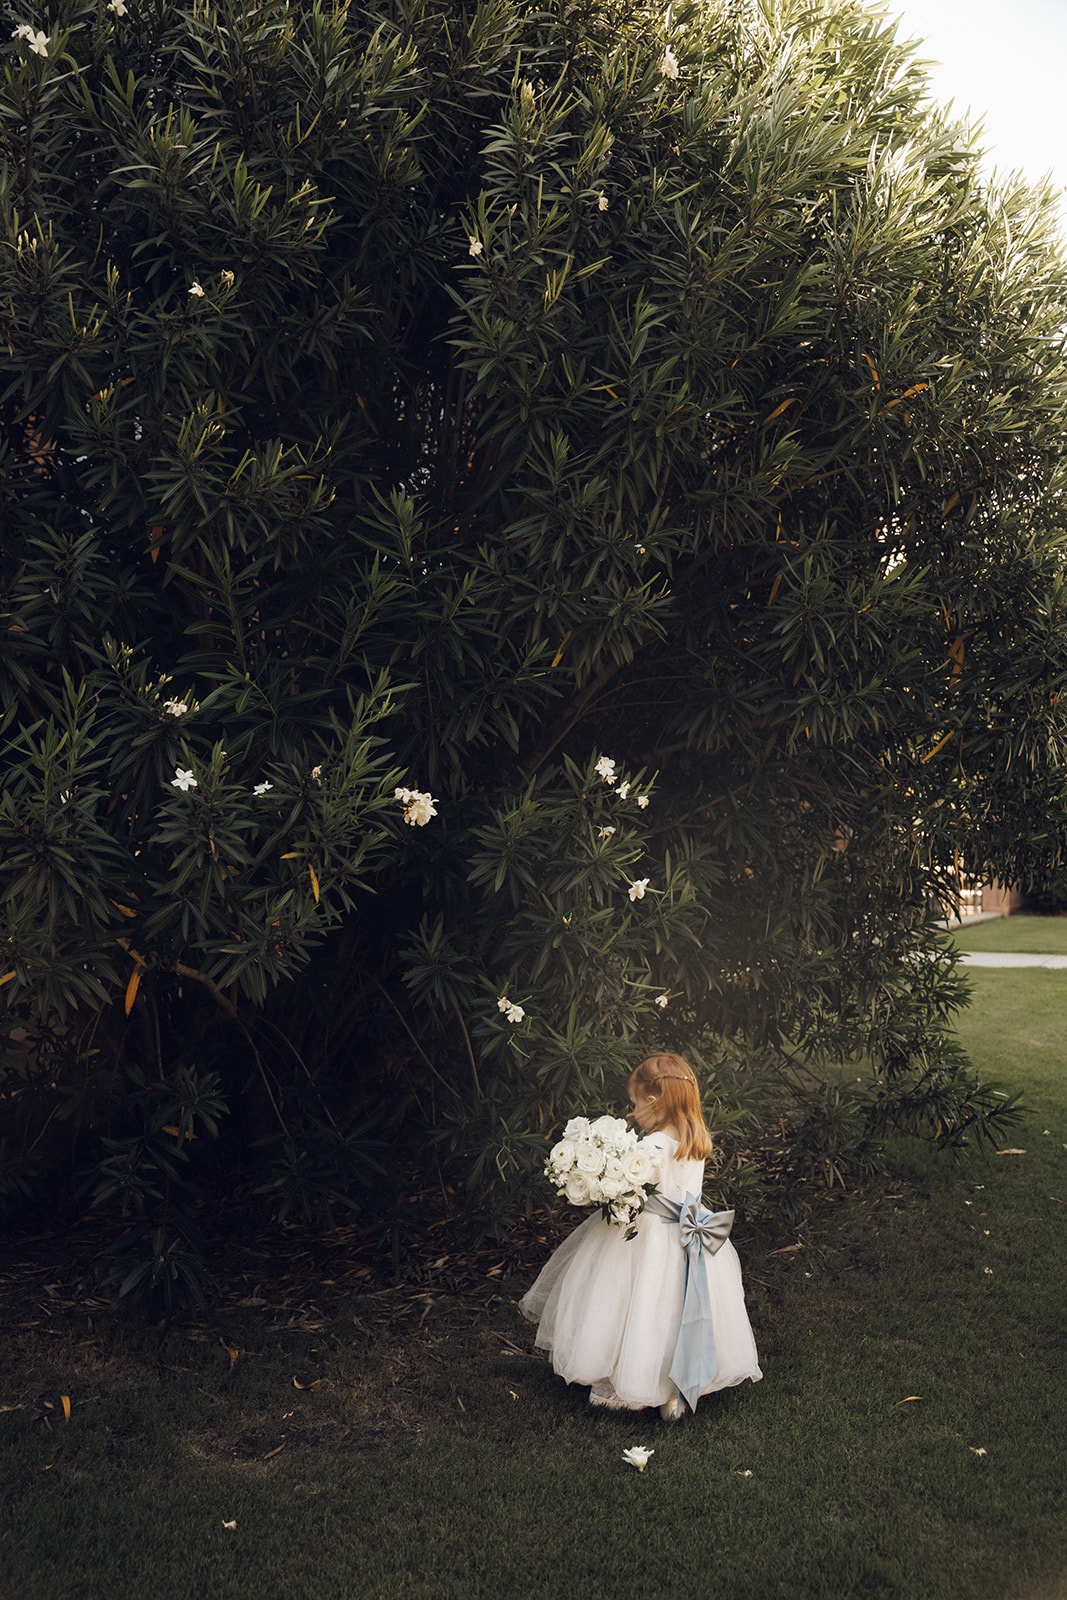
[1004, 60]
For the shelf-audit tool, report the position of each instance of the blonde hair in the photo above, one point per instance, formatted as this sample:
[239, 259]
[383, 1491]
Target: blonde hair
[672, 1082]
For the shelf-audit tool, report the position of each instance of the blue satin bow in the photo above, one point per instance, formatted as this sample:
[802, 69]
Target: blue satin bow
[695, 1361]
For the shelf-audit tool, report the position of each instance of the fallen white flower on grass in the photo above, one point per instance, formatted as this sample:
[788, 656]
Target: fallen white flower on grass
[230, 1525]
[513, 1012]
[418, 807]
[745, 1474]
[605, 768]
[988, 1271]
[637, 1456]
[1011, 1152]
[637, 888]
[261, 788]
[976, 1450]
[183, 779]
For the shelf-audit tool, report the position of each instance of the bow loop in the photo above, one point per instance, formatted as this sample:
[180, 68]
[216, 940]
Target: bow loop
[701, 1229]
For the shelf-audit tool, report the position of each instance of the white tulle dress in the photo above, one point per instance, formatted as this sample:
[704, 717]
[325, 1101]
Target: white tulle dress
[608, 1308]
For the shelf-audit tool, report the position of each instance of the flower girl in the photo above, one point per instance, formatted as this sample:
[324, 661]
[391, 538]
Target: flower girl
[654, 1315]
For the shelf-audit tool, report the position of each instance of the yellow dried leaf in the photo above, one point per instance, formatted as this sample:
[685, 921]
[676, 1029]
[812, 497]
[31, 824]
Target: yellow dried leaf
[779, 409]
[132, 988]
[64, 1401]
[312, 874]
[233, 1354]
[908, 1398]
[7, 977]
[916, 388]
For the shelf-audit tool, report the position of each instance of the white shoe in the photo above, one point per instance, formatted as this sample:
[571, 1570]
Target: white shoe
[674, 1410]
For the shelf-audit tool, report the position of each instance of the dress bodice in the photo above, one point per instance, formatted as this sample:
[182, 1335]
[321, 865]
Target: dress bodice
[674, 1179]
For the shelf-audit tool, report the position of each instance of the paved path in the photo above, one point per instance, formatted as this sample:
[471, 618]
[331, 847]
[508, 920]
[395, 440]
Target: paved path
[989, 958]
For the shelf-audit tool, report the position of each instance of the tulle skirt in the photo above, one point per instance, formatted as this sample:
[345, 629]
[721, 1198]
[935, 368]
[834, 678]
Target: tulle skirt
[608, 1310]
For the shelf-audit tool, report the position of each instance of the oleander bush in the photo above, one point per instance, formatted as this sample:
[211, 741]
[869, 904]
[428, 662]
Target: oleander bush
[530, 532]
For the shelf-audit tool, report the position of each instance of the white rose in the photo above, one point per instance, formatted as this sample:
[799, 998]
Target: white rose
[638, 1168]
[564, 1155]
[589, 1159]
[577, 1189]
[576, 1128]
[611, 1186]
[607, 1127]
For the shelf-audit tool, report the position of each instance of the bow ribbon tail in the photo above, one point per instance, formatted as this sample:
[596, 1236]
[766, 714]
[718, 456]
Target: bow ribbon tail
[695, 1360]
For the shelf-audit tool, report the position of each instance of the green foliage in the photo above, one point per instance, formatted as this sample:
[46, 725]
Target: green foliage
[452, 395]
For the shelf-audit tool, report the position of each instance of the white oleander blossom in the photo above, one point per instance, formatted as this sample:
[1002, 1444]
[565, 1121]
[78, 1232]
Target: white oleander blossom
[226, 278]
[37, 41]
[183, 779]
[623, 790]
[661, 1001]
[176, 708]
[604, 833]
[316, 774]
[637, 888]
[669, 67]
[418, 807]
[510, 1010]
[602, 201]
[474, 245]
[605, 768]
[642, 801]
[637, 1456]
[196, 291]
[118, 8]
[262, 788]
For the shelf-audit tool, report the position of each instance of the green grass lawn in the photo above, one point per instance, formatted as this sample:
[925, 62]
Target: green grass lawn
[1033, 936]
[907, 1440]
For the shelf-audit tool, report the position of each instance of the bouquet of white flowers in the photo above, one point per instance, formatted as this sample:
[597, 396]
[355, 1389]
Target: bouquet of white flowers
[603, 1164]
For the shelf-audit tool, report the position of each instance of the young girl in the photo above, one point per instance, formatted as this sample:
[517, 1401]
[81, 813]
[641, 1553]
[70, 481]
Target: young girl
[609, 1309]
